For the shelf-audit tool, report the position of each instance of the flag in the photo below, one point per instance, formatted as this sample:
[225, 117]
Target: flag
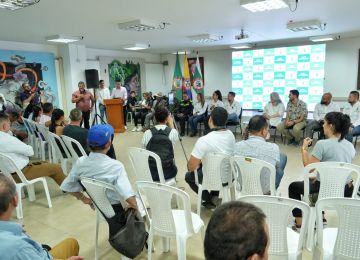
[177, 79]
[198, 82]
[187, 81]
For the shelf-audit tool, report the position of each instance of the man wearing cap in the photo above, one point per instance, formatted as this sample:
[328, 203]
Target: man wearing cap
[101, 167]
[159, 101]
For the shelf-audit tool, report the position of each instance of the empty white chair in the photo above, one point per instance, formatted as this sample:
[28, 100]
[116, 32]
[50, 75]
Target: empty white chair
[285, 243]
[216, 171]
[333, 178]
[249, 170]
[343, 242]
[60, 155]
[7, 167]
[166, 221]
[70, 143]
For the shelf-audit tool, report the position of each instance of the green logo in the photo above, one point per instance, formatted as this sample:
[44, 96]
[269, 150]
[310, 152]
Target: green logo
[280, 59]
[247, 98]
[238, 76]
[269, 52]
[318, 48]
[268, 67]
[280, 91]
[248, 69]
[316, 82]
[257, 105]
[248, 54]
[258, 61]
[304, 58]
[317, 65]
[291, 66]
[248, 83]
[303, 74]
[268, 83]
[291, 50]
[238, 62]
[279, 75]
[290, 83]
[257, 91]
[258, 76]
[314, 99]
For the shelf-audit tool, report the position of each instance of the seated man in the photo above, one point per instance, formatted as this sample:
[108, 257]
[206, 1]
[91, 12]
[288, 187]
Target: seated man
[160, 101]
[101, 167]
[352, 109]
[20, 153]
[146, 105]
[233, 108]
[15, 243]
[75, 131]
[255, 146]
[183, 112]
[296, 114]
[45, 118]
[237, 230]
[320, 111]
[17, 126]
[160, 140]
[219, 140]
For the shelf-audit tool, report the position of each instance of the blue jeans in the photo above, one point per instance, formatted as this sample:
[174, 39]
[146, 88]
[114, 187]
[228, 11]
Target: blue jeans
[102, 109]
[280, 169]
[233, 117]
[354, 132]
[193, 121]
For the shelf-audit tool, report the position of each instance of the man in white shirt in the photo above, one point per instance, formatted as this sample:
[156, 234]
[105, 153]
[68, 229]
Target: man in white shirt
[326, 105]
[233, 108]
[20, 153]
[45, 118]
[218, 140]
[101, 94]
[162, 143]
[352, 109]
[101, 167]
[120, 92]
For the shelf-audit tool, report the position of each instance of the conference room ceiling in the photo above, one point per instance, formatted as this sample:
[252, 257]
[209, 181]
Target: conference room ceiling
[97, 22]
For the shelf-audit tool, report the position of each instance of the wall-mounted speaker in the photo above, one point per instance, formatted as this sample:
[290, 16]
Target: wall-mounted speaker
[92, 78]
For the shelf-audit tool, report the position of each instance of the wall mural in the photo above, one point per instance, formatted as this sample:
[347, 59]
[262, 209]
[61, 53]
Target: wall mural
[36, 68]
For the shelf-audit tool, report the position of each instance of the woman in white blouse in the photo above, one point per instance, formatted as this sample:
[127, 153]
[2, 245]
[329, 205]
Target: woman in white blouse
[274, 110]
[199, 111]
[216, 101]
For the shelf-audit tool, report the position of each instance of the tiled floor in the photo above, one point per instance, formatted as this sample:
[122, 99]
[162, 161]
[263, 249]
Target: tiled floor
[70, 218]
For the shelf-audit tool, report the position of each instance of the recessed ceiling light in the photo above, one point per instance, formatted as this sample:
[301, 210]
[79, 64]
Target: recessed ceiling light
[241, 46]
[304, 25]
[205, 38]
[17, 4]
[136, 46]
[262, 5]
[64, 39]
[138, 25]
[322, 38]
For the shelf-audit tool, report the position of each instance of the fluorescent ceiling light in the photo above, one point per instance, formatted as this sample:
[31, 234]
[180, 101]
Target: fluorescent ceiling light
[241, 46]
[64, 39]
[181, 52]
[205, 38]
[17, 4]
[322, 38]
[262, 5]
[137, 25]
[304, 25]
[136, 46]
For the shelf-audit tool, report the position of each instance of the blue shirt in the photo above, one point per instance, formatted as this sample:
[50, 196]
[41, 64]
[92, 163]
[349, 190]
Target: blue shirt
[16, 245]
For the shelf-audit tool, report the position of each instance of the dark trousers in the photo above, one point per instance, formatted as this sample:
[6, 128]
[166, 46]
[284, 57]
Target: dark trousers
[140, 115]
[125, 114]
[296, 190]
[86, 119]
[190, 179]
[182, 120]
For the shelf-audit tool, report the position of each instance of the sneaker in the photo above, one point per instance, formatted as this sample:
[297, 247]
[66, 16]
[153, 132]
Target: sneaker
[139, 129]
[134, 129]
[208, 205]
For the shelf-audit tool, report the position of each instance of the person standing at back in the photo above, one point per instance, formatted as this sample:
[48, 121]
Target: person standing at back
[120, 92]
[85, 101]
[102, 93]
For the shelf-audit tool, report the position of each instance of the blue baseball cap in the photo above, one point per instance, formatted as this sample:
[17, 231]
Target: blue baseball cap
[99, 135]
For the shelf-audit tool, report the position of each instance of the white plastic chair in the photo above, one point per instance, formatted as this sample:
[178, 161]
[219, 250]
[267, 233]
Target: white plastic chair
[285, 243]
[31, 135]
[214, 176]
[7, 167]
[70, 142]
[343, 242]
[333, 178]
[97, 191]
[43, 141]
[166, 221]
[249, 170]
[55, 142]
[139, 160]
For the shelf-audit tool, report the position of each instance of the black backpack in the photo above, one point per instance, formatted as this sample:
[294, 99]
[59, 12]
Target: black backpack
[162, 146]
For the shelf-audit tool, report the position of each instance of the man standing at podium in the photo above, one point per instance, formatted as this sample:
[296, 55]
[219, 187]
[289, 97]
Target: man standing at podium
[120, 92]
[85, 101]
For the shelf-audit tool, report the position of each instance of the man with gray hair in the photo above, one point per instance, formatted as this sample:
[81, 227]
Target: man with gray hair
[15, 243]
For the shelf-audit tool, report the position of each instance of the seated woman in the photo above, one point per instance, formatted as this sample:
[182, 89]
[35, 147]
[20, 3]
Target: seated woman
[57, 122]
[274, 110]
[216, 101]
[199, 113]
[333, 149]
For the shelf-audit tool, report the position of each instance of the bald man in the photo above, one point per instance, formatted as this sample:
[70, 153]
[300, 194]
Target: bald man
[325, 106]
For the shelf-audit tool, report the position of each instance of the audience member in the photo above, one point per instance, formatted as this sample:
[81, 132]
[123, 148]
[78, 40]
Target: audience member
[325, 106]
[257, 147]
[15, 243]
[27, 96]
[333, 149]
[157, 103]
[145, 105]
[233, 108]
[85, 101]
[183, 112]
[237, 230]
[216, 101]
[296, 114]
[20, 153]
[36, 113]
[218, 140]
[101, 167]
[199, 113]
[101, 94]
[352, 109]
[45, 118]
[75, 131]
[120, 92]
[274, 110]
[132, 103]
[57, 122]
[17, 126]
[3, 103]
[160, 139]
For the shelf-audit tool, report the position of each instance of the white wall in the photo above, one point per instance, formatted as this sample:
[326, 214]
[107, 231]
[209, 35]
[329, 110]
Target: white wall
[21, 46]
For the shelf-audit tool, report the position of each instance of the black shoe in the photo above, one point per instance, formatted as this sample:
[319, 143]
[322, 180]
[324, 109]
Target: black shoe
[208, 205]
